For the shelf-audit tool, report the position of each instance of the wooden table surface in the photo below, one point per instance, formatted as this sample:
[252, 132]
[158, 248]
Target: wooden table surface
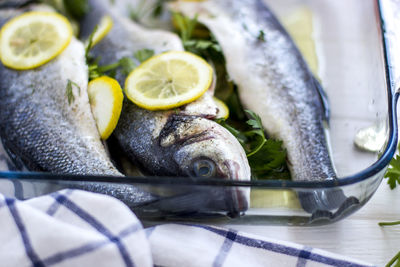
[359, 236]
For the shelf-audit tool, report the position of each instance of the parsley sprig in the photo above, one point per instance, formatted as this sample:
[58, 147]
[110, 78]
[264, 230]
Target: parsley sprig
[267, 157]
[186, 27]
[125, 65]
[393, 173]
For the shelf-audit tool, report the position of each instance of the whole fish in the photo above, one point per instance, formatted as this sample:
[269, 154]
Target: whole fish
[43, 130]
[40, 128]
[272, 78]
[182, 142]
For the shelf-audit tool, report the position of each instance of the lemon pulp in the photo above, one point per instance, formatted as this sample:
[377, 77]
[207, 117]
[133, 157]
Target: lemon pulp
[105, 97]
[33, 39]
[168, 80]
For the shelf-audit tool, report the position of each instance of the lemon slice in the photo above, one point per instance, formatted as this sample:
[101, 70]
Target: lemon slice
[105, 97]
[223, 110]
[103, 28]
[168, 80]
[33, 39]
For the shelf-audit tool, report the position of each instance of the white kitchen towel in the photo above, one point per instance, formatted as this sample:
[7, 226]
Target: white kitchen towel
[76, 228]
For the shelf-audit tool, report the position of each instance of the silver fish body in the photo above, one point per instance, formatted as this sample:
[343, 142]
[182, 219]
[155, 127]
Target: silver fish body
[38, 126]
[145, 133]
[272, 78]
[182, 142]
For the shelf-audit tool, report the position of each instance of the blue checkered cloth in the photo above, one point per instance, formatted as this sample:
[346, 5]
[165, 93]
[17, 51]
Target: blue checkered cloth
[76, 228]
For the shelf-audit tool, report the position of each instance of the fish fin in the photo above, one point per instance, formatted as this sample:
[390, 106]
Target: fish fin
[324, 100]
[322, 200]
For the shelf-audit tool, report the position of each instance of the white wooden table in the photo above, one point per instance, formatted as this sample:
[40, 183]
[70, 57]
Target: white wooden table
[357, 236]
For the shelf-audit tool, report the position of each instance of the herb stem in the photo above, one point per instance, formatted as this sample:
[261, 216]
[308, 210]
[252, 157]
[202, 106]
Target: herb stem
[257, 148]
[389, 223]
[108, 67]
[392, 261]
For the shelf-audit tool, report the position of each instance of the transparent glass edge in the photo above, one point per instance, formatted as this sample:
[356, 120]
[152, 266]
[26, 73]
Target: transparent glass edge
[367, 173]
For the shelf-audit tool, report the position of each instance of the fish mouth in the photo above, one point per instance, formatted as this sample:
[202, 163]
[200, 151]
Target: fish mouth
[238, 201]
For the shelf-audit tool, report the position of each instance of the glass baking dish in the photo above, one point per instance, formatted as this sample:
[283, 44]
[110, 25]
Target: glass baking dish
[354, 60]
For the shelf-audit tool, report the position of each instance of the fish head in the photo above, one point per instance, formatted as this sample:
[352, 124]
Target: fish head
[203, 148]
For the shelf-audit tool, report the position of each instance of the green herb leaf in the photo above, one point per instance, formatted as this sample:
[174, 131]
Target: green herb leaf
[96, 71]
[69, 91]
[106, 68]
[236, 133]
[269, 160]
[255, 120]
[393, 173]
[127, 65]
[158, 8]
[89, 44]
[77, 8]
[185, 25]
[144, 54]
[261, 36]
[267, 157]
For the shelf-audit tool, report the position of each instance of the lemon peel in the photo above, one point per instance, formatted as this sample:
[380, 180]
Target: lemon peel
[105, 97]
[104, 27]
[33, 39]
[168, 80]
[223, 110]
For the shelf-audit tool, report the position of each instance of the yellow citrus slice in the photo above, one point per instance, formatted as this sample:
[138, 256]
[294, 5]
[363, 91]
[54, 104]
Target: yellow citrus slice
[103, 28]
[223, 110]
[105, 97]
[33, 39]
[168, 80]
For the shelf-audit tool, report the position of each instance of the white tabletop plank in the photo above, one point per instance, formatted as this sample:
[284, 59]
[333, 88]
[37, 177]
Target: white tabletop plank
[357, 236]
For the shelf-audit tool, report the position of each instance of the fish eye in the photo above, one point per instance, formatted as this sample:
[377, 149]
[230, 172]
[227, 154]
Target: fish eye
[204, 168]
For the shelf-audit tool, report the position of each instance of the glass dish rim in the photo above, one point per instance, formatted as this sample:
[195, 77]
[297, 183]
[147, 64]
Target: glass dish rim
[365, 174]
